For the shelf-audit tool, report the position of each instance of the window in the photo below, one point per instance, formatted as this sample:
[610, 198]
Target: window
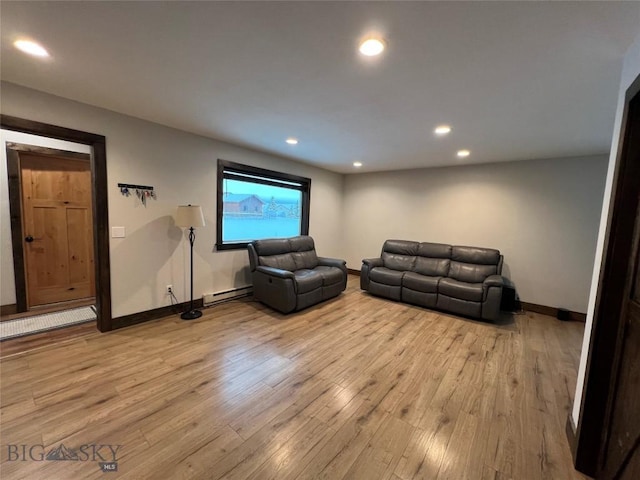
[254, 203]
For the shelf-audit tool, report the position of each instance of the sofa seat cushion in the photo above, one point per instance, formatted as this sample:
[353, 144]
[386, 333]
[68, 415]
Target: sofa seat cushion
[330, 275]
[386, 276]
[307, 280]
[420, 283]
[461, 290]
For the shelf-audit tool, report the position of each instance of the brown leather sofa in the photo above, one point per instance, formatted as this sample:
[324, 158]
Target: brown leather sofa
[461, 280]
[289, 276]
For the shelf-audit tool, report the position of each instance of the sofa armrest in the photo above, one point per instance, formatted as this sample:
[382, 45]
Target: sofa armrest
[367, 265]
[494, 281]
[373, 262]
[275, 287]
[332, 262]
[492, 286]
[275, 272]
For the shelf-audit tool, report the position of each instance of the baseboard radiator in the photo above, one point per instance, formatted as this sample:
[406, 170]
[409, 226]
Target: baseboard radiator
[226, 295]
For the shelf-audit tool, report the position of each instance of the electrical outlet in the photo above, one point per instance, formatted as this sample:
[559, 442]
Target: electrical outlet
[169, 289]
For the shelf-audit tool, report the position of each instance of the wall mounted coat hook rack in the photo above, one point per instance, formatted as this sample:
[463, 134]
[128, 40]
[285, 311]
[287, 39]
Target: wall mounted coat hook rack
[142, 191]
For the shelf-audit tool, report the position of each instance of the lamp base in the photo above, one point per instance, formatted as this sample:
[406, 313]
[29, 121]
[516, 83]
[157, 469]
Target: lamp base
[191, 315]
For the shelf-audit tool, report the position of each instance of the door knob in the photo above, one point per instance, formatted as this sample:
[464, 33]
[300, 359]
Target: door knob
[28, 239]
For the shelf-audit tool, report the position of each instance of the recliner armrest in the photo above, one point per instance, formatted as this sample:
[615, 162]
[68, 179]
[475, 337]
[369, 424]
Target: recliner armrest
[332, 262]
[373, 262]
[275, 272]
[494, 281]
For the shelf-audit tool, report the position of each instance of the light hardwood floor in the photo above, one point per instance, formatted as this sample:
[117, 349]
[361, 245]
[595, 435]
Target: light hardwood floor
[358, 387]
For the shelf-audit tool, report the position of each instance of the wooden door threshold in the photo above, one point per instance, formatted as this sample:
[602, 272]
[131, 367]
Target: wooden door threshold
[50, 308]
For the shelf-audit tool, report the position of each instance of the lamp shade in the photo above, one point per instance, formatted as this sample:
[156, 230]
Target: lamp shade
[189, 216]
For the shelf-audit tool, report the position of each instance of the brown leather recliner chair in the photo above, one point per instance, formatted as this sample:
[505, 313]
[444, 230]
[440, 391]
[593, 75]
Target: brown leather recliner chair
[289, 276]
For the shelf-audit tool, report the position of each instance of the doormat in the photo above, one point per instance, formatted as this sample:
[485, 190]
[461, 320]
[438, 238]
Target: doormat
[48, 321]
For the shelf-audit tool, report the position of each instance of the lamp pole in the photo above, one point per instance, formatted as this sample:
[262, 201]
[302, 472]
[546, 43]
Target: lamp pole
[190, 216]
[191, 314]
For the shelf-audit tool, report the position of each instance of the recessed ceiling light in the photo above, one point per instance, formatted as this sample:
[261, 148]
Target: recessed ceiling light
[463, 153]
[292, 141]
[371, 47]
[442, 129]
[32, 48]
[357, 164]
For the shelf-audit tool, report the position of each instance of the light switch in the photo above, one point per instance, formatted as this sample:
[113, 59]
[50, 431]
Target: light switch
[117, 232]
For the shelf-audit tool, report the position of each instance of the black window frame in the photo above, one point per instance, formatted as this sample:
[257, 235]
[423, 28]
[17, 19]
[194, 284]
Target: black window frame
[235, 171]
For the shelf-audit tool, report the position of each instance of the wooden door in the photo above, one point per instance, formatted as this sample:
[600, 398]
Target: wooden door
[58, 228]
[606, 444]
[622, 456]
[621, 452]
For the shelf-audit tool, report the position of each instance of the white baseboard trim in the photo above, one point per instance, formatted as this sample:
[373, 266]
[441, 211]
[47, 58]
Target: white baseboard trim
[226, 295]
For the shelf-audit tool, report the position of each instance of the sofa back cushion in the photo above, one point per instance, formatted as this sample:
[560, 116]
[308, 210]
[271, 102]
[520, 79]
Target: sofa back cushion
[303, 252]
[283, 261]
[466, 264]
[287, 253]
[433, 259]
[301, 243]
[271, 246]
[477, 255]
[434, 250]
[432, 267]
[307, 259]
[399, 254]
[473, 264]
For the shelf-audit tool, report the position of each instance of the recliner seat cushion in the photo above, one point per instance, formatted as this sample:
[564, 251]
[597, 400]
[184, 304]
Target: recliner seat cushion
[462, 290]
[420, 283]
[307, 280]
[330, 275]
[386, 276]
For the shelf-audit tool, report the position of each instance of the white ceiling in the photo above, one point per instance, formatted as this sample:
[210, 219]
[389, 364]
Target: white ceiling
[516, 80]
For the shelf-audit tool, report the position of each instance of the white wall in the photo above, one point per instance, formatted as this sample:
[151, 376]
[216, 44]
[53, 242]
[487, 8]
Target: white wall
[630, 70]
[542, 215]
[182, 168]
[7, 279]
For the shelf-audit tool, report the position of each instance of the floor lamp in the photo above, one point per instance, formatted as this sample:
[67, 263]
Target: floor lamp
[190, 216]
